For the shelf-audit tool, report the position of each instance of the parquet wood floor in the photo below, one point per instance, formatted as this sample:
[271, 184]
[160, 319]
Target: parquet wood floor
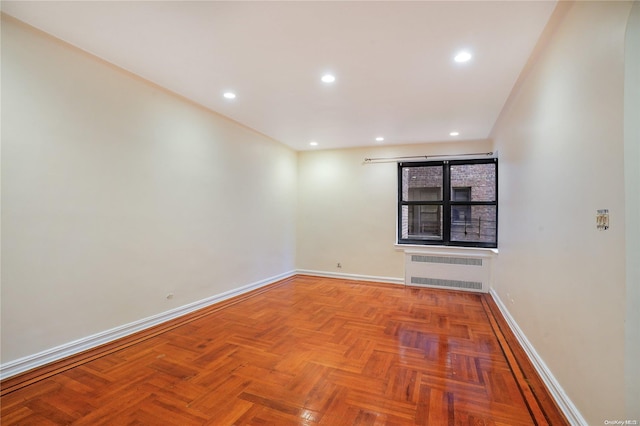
[305, 351]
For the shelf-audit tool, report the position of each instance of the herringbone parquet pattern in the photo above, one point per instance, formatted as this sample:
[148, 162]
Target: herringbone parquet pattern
[309, 351]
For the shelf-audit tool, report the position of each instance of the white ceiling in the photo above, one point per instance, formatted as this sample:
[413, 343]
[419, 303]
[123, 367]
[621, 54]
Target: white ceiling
[393, 61]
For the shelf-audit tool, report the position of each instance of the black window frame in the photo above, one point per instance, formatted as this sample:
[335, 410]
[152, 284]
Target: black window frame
[446, 204]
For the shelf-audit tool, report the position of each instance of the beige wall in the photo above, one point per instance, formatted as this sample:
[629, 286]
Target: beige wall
[632, 200]
[116, 193]
[561, 148]
[347, 209]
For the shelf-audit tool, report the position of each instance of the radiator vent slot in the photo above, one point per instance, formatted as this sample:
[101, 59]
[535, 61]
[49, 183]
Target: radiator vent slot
[447, 260]
[470, 285]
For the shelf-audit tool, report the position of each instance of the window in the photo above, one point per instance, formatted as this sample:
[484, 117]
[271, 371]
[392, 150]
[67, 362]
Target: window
[460, 213]
[448, 203]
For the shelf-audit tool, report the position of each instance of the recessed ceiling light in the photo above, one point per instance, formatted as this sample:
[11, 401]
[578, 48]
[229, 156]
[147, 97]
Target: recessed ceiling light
[462, 56]
[229, 95]
[379, 139]
[328, 78]
[454, 133]
[313, 143]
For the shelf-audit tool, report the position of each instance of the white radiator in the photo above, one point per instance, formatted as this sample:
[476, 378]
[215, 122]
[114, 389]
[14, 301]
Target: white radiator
[468, 272]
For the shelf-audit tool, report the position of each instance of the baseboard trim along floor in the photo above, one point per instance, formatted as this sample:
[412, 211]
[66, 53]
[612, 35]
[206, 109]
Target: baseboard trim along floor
[113, 336]
[564, 403]
[540, 390]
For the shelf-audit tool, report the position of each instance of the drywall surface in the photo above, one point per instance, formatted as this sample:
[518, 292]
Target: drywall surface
[116, 193]
[561, 148]
[632, 201]
[347, 208]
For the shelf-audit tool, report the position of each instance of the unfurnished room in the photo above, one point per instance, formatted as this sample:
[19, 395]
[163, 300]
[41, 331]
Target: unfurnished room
[320, 213]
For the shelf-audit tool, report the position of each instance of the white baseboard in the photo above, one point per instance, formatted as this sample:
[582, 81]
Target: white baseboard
[21, 365]
[355, 277]
[40, 359]
[570, 411]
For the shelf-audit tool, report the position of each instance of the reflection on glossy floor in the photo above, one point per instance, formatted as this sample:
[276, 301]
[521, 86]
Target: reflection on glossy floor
[304, 351]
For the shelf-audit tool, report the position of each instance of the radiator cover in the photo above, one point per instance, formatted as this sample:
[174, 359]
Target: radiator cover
[450, 270]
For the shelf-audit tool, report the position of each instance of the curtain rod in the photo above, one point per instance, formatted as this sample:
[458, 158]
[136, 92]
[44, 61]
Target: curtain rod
[422, 157]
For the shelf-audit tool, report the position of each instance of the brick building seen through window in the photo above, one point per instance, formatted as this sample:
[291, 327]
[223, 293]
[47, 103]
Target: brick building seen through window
[448, 202]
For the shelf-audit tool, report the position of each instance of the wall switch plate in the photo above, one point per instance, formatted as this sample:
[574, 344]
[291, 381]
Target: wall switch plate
[602, 219]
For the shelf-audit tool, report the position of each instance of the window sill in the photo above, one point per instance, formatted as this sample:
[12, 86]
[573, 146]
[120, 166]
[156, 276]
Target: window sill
[447, 250]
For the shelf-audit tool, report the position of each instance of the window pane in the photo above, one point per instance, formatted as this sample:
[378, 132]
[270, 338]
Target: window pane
[422, 183]
[461, 194]
[473, 223]
[479, 179]
[460, 214]
[421, 222]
